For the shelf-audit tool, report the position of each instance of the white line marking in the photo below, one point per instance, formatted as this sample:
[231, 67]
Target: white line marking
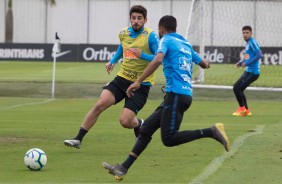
[26, 104]
[217, 162]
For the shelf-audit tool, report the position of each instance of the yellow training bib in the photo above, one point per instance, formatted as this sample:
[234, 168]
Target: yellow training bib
[132, 67]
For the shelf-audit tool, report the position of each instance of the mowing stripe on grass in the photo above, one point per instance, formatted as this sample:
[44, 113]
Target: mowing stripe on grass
[217, 162]
[26, 104]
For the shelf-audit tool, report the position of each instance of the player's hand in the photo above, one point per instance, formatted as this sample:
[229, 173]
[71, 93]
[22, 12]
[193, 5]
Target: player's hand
[133, 87]
[205, 64]
[137, 52]
[109, 67]
[238, 64]
[208, 64]
[243, 65]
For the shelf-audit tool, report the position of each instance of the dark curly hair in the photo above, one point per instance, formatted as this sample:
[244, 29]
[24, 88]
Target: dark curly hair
[138, 9]
[247, 28]
[168, 22]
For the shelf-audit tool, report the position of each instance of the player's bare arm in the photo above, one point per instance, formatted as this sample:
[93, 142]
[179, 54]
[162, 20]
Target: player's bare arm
[153, 66]
[133, 87]
[109, 67]
[136, 51]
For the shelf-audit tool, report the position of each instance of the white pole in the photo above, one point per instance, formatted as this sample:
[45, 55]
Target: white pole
[54, 76]
[56, 49]
[202, 41]
[189, 19]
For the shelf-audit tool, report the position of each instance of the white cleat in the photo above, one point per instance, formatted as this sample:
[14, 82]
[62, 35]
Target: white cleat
[73, 143]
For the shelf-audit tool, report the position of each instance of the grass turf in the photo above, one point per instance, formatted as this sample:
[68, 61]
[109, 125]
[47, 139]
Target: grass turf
[75, 72]
[32, 122]
[30, 119]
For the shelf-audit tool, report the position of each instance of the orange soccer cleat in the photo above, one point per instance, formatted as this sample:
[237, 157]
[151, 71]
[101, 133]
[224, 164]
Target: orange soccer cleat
[240, 111]
[247, 113]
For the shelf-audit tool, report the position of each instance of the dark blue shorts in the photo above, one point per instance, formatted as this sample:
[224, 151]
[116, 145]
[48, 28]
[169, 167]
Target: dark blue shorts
[245, 80]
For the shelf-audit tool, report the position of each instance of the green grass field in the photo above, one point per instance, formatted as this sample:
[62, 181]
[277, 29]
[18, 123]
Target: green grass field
[223, 74]
[32, 122]
[29, 118]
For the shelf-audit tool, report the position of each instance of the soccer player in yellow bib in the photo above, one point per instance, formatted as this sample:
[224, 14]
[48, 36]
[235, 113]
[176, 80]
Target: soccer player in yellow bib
[138, 45]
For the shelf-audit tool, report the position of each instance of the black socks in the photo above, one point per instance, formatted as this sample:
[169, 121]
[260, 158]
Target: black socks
[129, 161]
[82, 132]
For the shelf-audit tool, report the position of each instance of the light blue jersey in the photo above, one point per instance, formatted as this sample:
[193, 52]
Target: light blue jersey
[178, 63]
[251, 56]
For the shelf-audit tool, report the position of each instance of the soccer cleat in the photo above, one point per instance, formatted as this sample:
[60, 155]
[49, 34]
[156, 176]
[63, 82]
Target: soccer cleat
[240, 111]
[220, 135]
[137, 130]
[117, 170]
[247, 113]
[73, 143]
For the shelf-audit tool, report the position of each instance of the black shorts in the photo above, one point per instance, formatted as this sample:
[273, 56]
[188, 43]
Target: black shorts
[135, 103]
[168, 115]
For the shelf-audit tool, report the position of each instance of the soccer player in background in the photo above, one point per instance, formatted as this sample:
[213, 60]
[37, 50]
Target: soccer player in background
[251, 63]
[177, 56]
[138, 45]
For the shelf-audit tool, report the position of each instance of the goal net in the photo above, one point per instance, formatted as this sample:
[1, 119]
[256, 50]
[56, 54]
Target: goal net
[215, 30]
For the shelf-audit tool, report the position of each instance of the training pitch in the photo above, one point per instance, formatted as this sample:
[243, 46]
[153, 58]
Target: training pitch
[30, 118]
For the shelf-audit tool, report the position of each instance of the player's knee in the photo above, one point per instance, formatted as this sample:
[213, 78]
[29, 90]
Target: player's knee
[99, 107]
[126, 123]
[236, 89]
[168, 142]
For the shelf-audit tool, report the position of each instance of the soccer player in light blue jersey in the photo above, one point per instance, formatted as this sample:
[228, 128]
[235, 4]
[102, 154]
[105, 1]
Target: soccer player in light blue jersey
[251, 63]
[177, 56]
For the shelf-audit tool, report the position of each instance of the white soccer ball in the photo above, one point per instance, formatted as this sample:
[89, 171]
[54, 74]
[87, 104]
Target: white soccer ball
[35, 159]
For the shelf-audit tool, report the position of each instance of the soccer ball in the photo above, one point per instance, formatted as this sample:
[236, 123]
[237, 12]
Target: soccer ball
[35, 159]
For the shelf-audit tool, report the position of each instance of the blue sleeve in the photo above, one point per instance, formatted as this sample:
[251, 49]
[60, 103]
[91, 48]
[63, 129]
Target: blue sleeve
[254, 45]
[117, 56]
[163, 45]
[255, 58]
[195, 57]
[153, 46]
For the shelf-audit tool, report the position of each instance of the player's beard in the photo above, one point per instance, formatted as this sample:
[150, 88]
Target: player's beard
[160, 35]
[136, 27]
